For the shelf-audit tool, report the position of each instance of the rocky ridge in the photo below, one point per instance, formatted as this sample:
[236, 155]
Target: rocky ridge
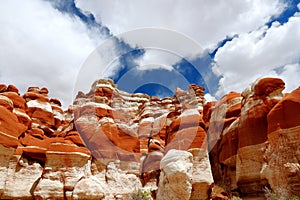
[111, 144]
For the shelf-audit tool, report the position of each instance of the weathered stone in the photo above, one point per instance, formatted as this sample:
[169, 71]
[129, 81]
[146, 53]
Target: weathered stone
[202, 179]
[23, 174]
[175, 181]
[282, 152]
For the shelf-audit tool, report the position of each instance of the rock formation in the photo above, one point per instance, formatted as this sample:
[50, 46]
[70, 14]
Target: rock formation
[114, 145]
[108, 144]
[250, 153]
[281, 157]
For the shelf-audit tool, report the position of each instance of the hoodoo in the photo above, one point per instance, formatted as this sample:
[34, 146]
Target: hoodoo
[111, 144]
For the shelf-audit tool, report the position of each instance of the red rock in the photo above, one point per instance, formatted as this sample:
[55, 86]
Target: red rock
[228, 98]
[285, 114]
[115, 125]
[156, 145]
[145, 128]
[98, 139]
[187, 138]
[33, 89]
[35, 96]
[229, 145]
[75, 138]
[151, 166]
[55, 101]
[3, 88]
[80, 95]
[128, 140]
[95, 109]
[234, 111]
[223, 138]
[44, 91]
[65, 148]
[17, 100]
[253, 125]
[8, 140]
[120, 115]
[207, 110]
[12, 88]
[34, 152]
[10, 124]
[266, 86]
[37, 133]
[103, 91]
[32, 140]
[159, 128]
[41, 116]
[257, 102]
[185, 121]
[22, 117]
[6, 102]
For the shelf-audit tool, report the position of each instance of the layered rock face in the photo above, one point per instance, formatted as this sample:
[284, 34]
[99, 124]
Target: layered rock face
[44, 157]
[107, 145]
[138, 130]
[32, 148]
[223, 139]
[282, 153]
[245, 156]
[111, 144]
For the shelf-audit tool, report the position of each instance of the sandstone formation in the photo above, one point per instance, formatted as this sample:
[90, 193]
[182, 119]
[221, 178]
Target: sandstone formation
[223, 139]
[43, 156]
[114, 145]
[282, 153]
[107, 145]
[245, 156]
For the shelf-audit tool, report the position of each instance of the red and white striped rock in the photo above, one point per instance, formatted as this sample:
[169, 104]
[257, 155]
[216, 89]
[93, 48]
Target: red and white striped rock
[258, 100]
[282, 153]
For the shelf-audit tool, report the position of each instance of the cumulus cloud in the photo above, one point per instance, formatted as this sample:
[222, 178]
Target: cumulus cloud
[209, 98]
[260, 53]
[205, 21]
[41, 46]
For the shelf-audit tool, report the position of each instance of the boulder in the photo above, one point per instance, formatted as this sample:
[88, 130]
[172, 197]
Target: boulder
[175, 181]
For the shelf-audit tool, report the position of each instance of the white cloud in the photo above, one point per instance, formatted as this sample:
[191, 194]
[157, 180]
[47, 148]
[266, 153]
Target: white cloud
[157, 59]
[205, 21]
[256, 54]
[41, 46]
[209, 98]
[290, 75]
[154, 67]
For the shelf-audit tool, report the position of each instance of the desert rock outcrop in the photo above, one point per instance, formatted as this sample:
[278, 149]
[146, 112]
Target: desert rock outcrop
[111, 144]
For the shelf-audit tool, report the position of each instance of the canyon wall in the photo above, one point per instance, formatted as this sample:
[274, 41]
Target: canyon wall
[114, 145]
[258, 145]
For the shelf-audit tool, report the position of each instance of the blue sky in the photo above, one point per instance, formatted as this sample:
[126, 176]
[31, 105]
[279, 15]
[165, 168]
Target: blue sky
[48, 43]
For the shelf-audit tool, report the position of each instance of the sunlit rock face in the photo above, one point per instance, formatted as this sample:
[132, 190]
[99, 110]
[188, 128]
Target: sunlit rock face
[282, 152]
[40, 149]
[244, 152]
[258, 100]
[223, 138]
[139, 130]
[110, 144]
